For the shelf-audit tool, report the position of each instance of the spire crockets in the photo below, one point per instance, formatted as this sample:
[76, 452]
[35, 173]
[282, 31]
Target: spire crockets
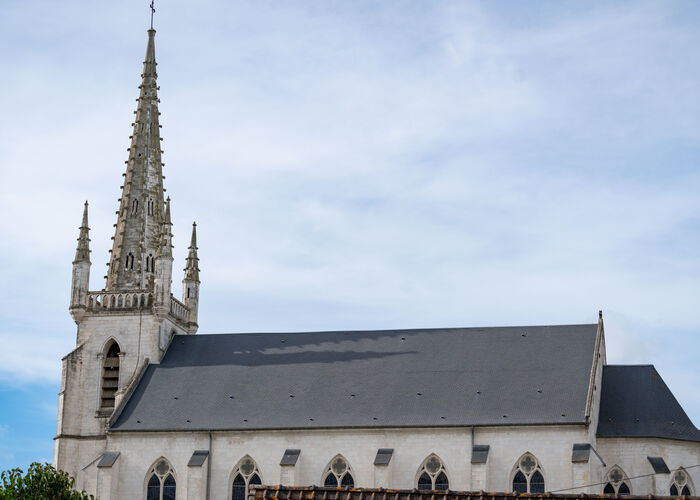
[165, 248]
[140, 217]
[82, 252]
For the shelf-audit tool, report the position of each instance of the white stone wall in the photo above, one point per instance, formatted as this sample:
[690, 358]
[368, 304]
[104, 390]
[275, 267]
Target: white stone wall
[551, 445]
[630, 454]
[80, 430]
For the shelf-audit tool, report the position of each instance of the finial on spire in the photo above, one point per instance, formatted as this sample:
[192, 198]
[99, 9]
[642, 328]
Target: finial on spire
[153, 11]
[193, 241]
[167, 210]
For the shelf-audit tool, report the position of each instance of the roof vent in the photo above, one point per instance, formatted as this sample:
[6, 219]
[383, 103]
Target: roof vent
[383, 456]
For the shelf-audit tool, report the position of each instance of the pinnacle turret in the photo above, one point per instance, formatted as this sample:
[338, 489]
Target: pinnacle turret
[139, 227]
[192, 263]
[165, 249]
[82, 252]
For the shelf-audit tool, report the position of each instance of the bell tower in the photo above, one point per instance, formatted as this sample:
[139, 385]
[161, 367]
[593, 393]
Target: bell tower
[129, 323]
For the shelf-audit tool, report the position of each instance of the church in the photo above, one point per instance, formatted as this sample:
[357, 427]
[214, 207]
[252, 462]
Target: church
[150, 410]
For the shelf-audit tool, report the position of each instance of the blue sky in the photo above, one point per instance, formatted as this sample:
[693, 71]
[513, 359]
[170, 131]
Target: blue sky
[361, 165]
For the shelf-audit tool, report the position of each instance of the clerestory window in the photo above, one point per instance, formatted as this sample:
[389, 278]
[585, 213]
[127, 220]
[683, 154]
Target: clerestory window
[527, 476]
[338, 474]
[432, 475]
[161, 483]
[245, 474]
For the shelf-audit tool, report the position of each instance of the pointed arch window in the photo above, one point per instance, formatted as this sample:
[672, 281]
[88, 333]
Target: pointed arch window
[150, 263]
[527, 476]
[161, 482]
[245, 474]
[680, 486]
[432, 475]
[617, 482]
[151, 206]
[129, 263]
[110, 376]
[338, 474]
[134, 206]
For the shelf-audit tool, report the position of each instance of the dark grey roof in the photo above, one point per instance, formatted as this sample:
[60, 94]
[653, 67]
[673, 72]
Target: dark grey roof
[659, 465]
[480, 453]
[383, 456]
[391, 378]
[198, 458]
[635, 402]
[290, 457]
[108, 459]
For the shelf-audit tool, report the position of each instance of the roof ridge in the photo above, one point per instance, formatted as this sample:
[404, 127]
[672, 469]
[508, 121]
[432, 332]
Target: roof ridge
[385, 330]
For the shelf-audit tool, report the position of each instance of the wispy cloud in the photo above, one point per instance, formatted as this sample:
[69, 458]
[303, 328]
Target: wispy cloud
[366, 165]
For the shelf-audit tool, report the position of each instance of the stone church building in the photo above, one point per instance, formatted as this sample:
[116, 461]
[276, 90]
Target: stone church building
[149, 410]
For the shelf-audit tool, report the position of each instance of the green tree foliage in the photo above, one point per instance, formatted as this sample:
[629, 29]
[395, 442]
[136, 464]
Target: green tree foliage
[41, 482]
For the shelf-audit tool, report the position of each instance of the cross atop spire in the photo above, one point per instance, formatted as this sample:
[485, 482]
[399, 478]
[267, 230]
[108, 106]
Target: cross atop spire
[153, 11]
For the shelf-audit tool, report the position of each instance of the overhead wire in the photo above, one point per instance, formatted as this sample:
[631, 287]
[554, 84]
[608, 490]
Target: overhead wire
[628, 477]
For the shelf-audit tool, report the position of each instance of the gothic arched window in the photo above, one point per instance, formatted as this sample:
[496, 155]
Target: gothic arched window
[617, 482]
[338, 474]
[150, 263]
[527, 476]
[129, 263]
[134, 207]
[432, 475]
[246, 473]
[679, 486]
[161, 482]
[110, 376]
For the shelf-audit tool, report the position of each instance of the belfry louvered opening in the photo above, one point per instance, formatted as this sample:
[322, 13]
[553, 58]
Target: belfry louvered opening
[110, 376]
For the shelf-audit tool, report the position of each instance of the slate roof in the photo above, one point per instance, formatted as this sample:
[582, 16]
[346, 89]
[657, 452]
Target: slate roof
[635, 402]
[390, 378]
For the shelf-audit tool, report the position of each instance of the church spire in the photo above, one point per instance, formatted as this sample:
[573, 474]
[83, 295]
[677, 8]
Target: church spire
[140, 218]
[82, 252]
[190, 283]
[80, 281]
[192, 263]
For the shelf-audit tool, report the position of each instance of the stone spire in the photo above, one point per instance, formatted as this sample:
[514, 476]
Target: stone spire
[190, 283]
[80, 281]
[165, 248]
[140, 217]
[82, 252]
[192, 263]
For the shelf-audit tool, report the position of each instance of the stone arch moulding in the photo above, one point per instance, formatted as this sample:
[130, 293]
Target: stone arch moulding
[109, 373]
[243, 474]
[432, 469]
[530, 473]
[682, 481]
[617, 482]
[160, 481]
[338, 473]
